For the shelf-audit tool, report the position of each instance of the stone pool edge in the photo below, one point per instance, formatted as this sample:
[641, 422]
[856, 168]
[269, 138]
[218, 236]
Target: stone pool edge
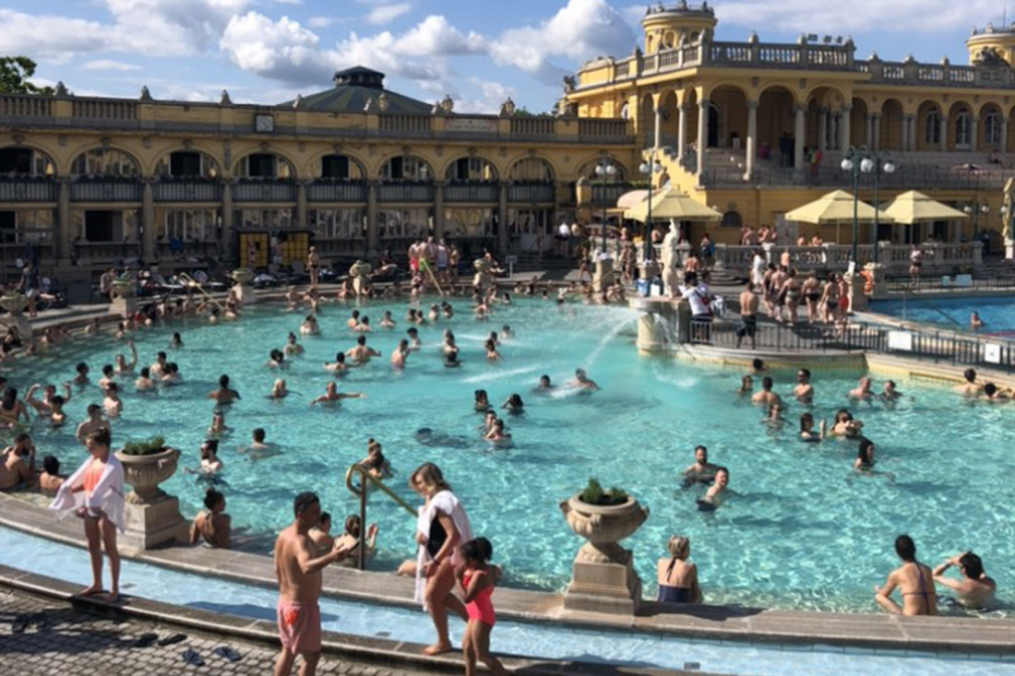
[962, 635]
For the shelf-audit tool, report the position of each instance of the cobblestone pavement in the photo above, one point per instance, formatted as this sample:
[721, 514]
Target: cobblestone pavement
[61, 641]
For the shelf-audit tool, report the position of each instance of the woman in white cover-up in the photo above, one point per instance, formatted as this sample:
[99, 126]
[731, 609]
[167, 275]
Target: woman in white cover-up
[441, 529]
[95, 493]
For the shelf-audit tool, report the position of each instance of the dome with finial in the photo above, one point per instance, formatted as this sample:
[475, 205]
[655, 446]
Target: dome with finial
[359, 90]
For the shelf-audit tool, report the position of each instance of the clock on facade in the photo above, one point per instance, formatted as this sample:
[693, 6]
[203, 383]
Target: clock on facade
[264, 123]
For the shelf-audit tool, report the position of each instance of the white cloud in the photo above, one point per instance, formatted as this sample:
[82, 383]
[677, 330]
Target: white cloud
[288, 2]
[923, 16]
[578, 31]
[434, 35]
[282, 49]
[320, 21]
[50, 38]
[383, 14]
[108, 64]
[491, 95]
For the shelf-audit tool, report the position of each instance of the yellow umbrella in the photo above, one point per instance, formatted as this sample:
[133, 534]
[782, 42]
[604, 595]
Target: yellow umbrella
[915, 207]
[835, 207]
[673, 204]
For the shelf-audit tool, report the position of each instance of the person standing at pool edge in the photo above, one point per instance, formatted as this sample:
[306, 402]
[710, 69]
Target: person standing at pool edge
[298, 570]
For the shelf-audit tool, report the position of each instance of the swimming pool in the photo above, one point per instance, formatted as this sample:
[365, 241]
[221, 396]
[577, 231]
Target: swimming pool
[802, 533]
[997, 312]
[517, 638]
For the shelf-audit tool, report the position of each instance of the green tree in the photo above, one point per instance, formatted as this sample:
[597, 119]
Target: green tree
[14, 74]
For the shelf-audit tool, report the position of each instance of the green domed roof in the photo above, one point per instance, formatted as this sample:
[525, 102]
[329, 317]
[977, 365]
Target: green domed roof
[353, 88]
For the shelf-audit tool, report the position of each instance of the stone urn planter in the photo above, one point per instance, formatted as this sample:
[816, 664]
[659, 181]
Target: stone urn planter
[124, 303]
[123, 288]
[243, 276]
[360, 274]
[243, 291]
[603, 577]
[15, 303]
[152, 516]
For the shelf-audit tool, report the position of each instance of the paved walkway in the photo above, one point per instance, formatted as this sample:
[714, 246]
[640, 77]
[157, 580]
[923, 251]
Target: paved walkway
[61, 640]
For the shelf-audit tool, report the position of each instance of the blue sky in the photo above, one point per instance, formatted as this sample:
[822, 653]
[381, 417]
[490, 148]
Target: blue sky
[479, 52]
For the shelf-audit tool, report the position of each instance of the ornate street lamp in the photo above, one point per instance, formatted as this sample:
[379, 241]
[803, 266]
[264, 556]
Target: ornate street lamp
[649, 169]
[605, 170]
[974, 209]
[860, 160]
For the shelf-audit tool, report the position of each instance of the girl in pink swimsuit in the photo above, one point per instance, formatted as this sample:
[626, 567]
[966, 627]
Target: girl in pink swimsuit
[477, 579]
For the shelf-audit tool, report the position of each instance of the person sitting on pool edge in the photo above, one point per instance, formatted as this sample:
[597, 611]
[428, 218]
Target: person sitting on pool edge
[975, 589]
[349, 540]
[212, 523]
[50, 479]
[678, 577]
[914, 580]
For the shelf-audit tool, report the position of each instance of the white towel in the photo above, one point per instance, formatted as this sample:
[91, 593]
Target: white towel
[447, 503]
[107, 496]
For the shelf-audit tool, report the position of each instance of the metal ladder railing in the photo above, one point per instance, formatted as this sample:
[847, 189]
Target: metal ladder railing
[361, 493]
[193, 282]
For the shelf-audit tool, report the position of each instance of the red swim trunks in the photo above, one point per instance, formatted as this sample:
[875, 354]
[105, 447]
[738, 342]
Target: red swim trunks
[299, 626]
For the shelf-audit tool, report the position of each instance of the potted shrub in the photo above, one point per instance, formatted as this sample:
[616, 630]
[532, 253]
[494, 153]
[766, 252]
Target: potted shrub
[603, 518]
[146, 464]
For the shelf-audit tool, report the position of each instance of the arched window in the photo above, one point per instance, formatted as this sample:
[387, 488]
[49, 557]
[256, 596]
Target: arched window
[405, 168]
[531, 169]
[104, 162]
[732, 219]
[471, 169]
[963, 130]
[932, 130]
[992, 129]
[17, 161]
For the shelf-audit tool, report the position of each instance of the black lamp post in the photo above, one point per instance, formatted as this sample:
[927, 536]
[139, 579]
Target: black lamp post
[605, 170]
[649, 169]
[861, 160]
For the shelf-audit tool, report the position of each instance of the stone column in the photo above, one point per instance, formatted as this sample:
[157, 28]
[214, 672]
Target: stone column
[799, 134]
[907, 121]
[876, 144]
[823, 129]
[63, 216]
[658, 129]
[502, 218]
[301, 205]
[844, 130]
[149, 231]
[702, 136]
[973, 125]
[944, 133]
[438, 209]
[869, 131]
[752, 139]
[682, 132]
[1003, 145]
[373, 236]
[228, 234]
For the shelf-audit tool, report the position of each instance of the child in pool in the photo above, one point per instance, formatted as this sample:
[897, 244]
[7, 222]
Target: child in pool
[477, 578]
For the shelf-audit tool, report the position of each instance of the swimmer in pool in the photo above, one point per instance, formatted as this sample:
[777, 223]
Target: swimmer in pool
[865, 456]
[172, 375]
[845, 426]
[975, 323]
[491, 351]
[353, 321]
[360, 353]
[702, 471]
[278, 390]
[292, 346]
[434, 313]
[804, 391]
[746, 386]
[310, 327]
[258, 447]
[766, 396]
[375, 463]
[449, 344]
[224, 395]
[332, 396]
[176, 342]
[158, 366]
[124, 366]
[364, 325]
[774, 417]
[276, 359]
[218, 425]
[544, 384]
[82, 374]
[107, 378]
[497, 434]
[807, 431]
[582, 381]
[451, 360]
[862, 391]
[112, 404]
[716, 494]
[387, 321]
[414, 342]
[514, 405]
[975, 589]
[338, 367]
[758, 367]
[482, 401]
[992, 392]
[889, 392]
[970, 387]
[399, 355]
[506, 332]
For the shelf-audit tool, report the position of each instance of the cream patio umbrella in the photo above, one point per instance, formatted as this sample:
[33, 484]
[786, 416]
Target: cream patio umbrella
[835, 207]
[672, 204]
[915, 207]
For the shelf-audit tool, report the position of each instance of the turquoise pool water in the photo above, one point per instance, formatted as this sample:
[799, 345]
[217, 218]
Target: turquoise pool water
[516, 638]
[803, 531]
[997, 312]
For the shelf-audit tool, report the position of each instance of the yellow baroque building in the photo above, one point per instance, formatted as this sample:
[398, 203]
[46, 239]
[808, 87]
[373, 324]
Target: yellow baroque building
[736, 124]
[356, 170]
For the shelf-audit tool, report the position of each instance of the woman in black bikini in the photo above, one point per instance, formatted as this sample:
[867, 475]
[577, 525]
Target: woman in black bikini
[678, 578]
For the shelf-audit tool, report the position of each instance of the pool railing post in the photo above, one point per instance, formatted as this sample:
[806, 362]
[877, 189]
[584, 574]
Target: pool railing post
[362, 554]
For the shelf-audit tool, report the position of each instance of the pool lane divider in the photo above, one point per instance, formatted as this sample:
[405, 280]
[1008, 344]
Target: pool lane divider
[994, 637]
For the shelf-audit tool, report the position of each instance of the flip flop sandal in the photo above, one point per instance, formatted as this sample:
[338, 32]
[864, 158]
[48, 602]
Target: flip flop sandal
[145, 640]
[192, 658]
[170, 640]
[227, 653]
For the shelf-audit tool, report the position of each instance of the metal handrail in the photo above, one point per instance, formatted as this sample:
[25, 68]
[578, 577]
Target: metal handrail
[361, 493]
[193, 282]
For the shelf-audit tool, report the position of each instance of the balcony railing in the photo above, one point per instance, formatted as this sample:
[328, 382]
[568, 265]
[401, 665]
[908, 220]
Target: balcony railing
[182, 250]
[472, 192]
[104, 252]
[532, 127]
[187, 191]
[28, 190]
[405, 191]
[87, 190]
[405, 125]
[905, 177]
[248, 190]
[337, 191]
[531, 192]
[22, 105]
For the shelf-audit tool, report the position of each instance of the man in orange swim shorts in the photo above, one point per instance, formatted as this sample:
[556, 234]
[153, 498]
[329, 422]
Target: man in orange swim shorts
[298, 567]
